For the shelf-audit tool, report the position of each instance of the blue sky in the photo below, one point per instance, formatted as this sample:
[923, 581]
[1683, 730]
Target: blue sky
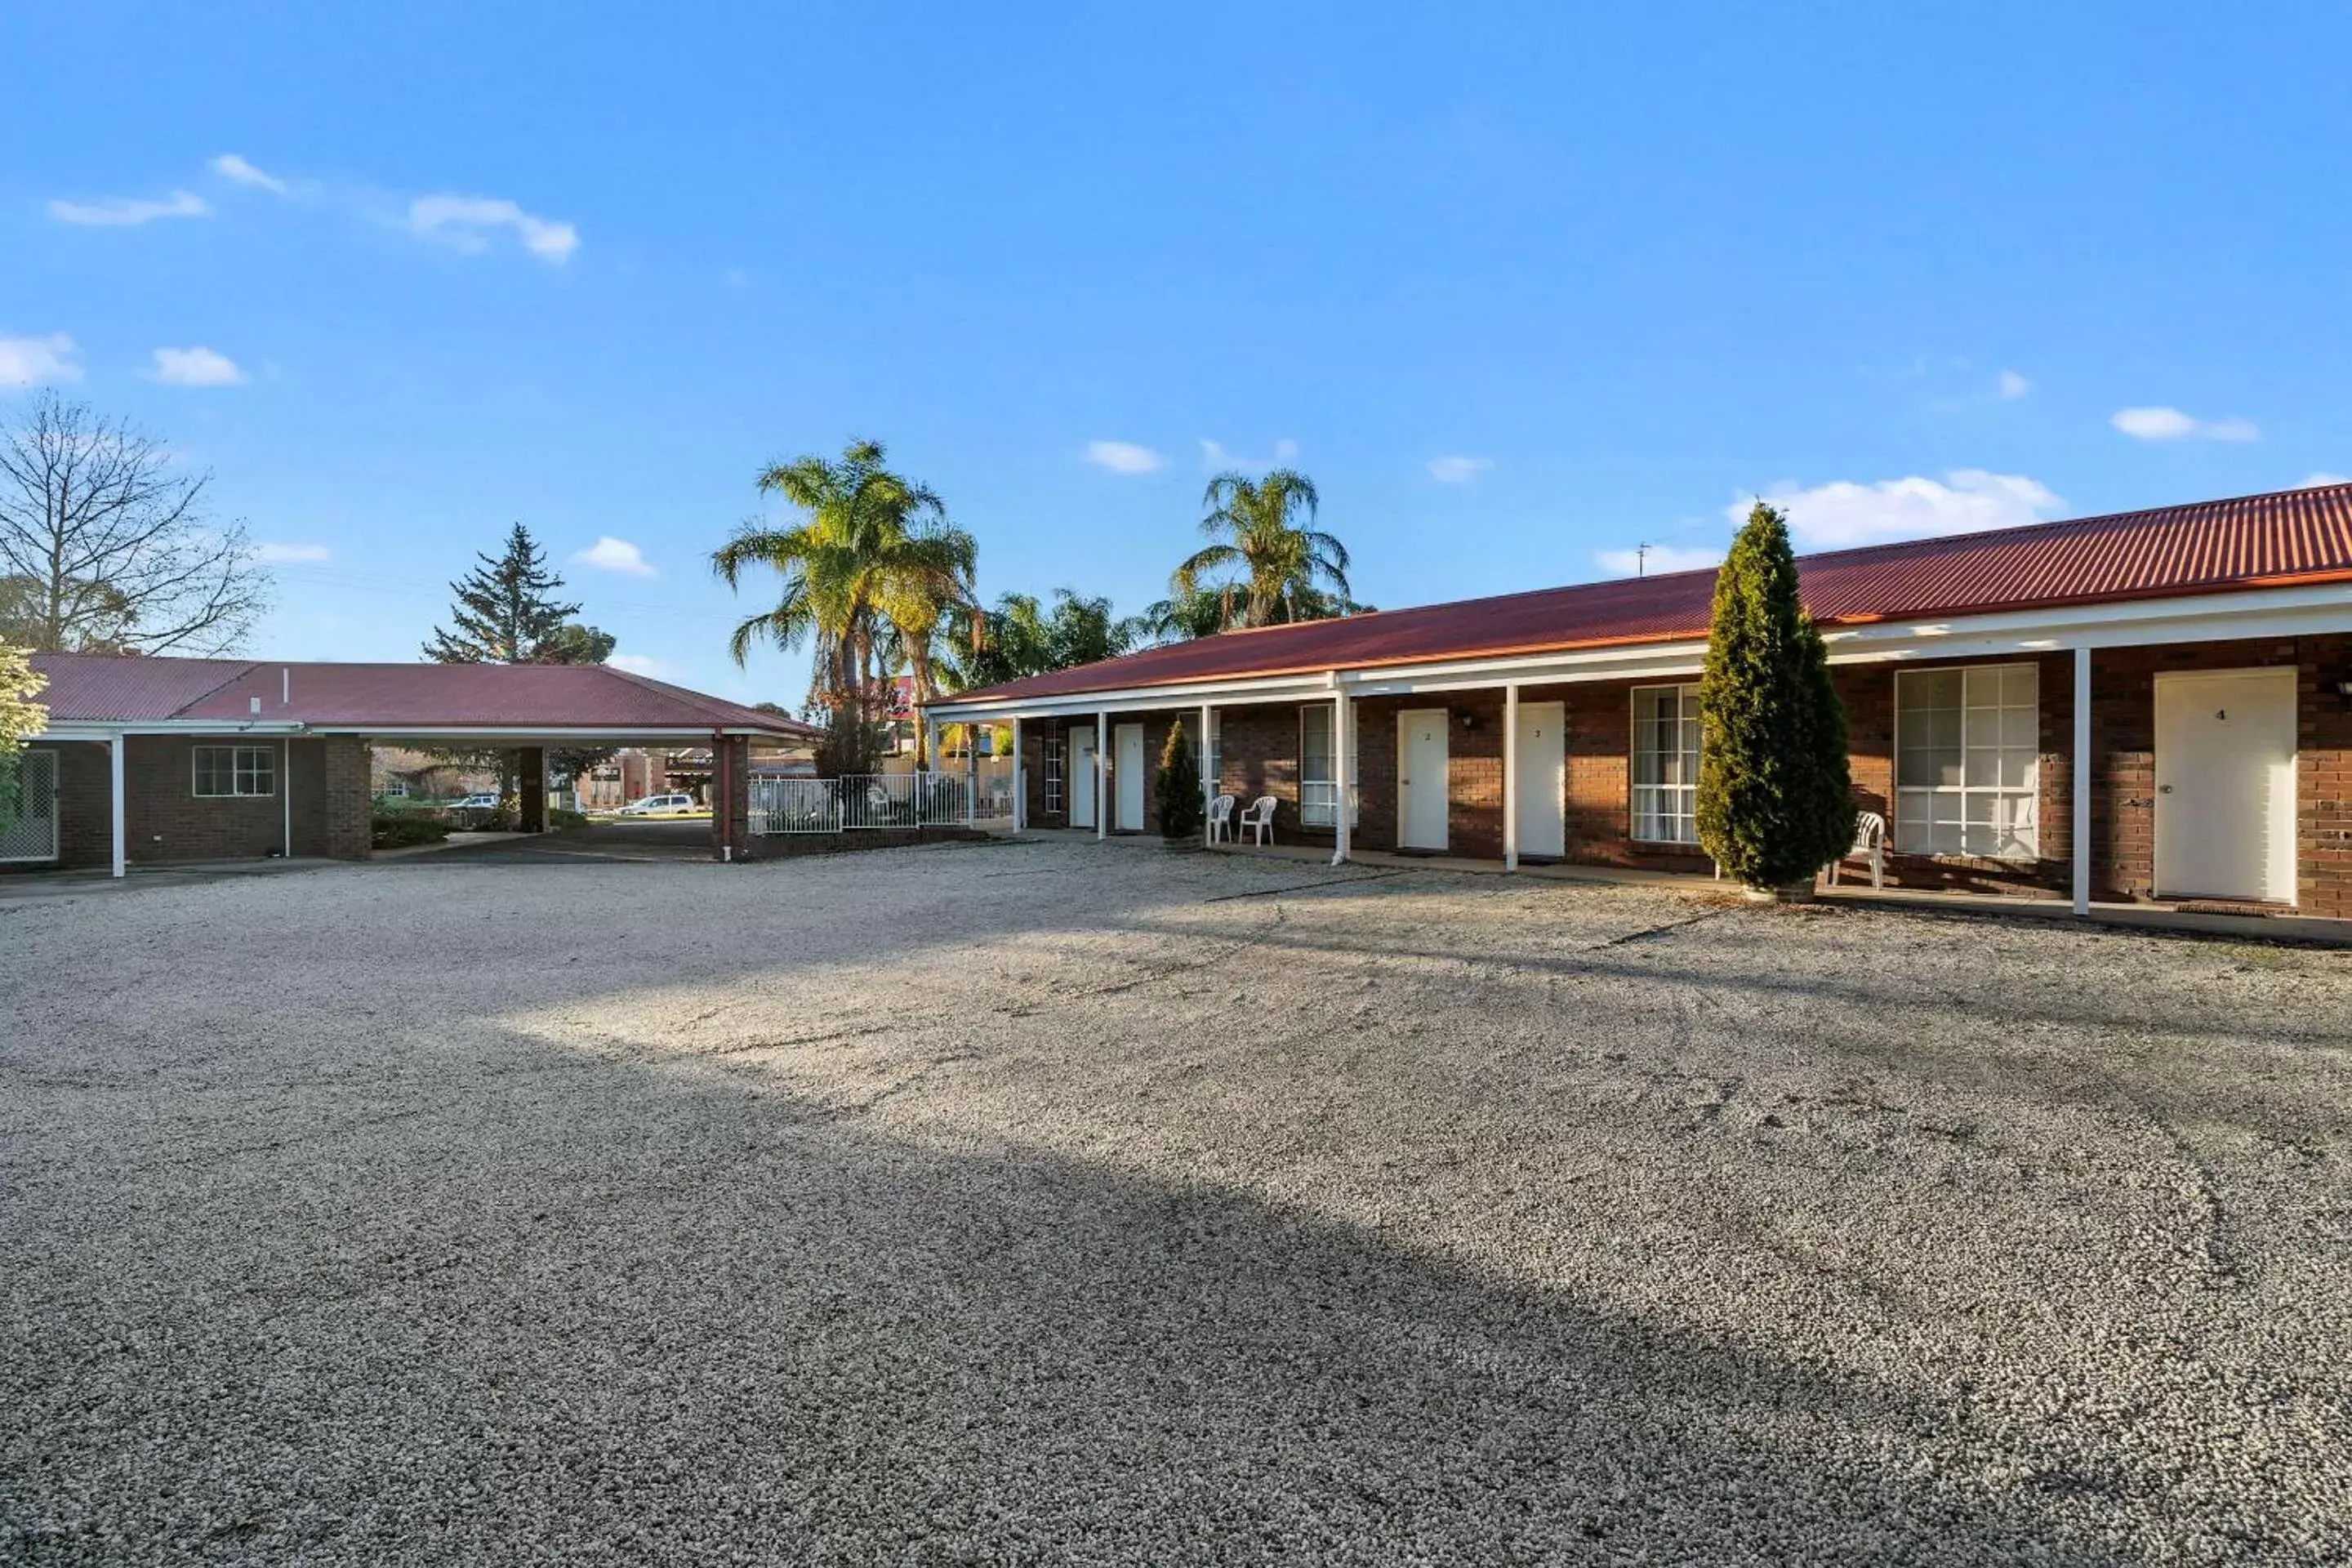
[1519, 287]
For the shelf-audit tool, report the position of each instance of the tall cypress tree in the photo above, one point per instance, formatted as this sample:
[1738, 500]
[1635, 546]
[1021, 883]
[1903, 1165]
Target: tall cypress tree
[507, 613]
[1775, 795]
[1179, 787]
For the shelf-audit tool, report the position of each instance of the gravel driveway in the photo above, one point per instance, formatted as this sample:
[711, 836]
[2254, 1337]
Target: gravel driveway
[1064, 1203]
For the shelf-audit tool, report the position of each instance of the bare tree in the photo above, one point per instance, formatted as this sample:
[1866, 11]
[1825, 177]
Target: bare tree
[105, 546]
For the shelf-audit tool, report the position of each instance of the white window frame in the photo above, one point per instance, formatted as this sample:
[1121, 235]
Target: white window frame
[1055, 749]
[1964, 795]
[1317, 811]
[241, 767]
[1686, 792]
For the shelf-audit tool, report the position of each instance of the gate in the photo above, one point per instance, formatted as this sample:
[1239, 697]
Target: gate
[859, 802]
[28, 808]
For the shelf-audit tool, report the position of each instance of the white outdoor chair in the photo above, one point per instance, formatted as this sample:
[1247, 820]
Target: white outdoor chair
[1869, 844]
[1258, 820]
[1221, 818]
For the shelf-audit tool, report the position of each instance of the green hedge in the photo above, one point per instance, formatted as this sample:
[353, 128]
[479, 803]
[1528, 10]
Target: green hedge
[397, 830]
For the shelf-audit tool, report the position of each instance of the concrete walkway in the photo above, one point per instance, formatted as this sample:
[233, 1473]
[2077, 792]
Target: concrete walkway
[2157, 917]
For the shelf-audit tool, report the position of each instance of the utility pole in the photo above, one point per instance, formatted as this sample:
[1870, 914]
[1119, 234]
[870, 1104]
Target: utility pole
[1642, 559]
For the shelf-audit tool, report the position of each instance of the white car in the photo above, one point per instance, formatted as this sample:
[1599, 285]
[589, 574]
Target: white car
[475, 803]
[662, 805]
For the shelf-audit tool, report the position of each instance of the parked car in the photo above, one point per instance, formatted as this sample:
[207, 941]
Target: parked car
[475, 803]
[662, 805]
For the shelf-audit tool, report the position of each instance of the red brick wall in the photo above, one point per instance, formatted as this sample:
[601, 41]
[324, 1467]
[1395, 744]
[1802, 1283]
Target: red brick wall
[1261, 749]
[167, 821]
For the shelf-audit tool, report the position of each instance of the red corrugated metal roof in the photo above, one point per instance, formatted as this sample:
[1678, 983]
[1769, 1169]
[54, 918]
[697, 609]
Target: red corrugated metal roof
[2293, 536]
[92, 688]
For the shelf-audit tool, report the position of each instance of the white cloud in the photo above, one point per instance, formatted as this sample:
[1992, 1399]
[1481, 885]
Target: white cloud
[1213, 456]
[2172, 425]
[1656, 560]
[229, 167]
[638, 664]
[129, 212]
[30, 362]
[611, 554]
[2313, 481]
[291, 554]
[1844, 514]
[1123, 456]
[2014, 386]
[195, 367]
[1458, 471]
[468, 223]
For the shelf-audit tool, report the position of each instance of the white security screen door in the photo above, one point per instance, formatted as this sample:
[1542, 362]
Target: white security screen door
[1127, 762]
[28, 807]
[1542, 782]
[1422, 788]
[2225, 784]
[1082, 777]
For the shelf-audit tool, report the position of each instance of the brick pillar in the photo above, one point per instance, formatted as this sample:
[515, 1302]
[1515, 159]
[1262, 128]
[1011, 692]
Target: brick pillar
[731, 798]
[344, 802]
[530, 764]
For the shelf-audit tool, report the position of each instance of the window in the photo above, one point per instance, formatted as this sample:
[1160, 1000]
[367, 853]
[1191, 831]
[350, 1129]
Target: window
[1052, 775]
[1665, 765]
[1968, 753]
[1319, 788]
[235, 770]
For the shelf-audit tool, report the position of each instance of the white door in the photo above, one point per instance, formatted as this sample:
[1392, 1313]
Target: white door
[1126, 760]
[1420, 778]
[1082, 777]
[1542, 781]
[2225, 784]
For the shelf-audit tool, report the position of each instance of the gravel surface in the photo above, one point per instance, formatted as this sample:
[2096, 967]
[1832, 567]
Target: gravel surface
[1063, 1202]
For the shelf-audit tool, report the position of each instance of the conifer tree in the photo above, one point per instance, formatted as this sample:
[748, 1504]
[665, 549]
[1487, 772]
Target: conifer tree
[1775, 801]
[507, 613]
[1177, 787]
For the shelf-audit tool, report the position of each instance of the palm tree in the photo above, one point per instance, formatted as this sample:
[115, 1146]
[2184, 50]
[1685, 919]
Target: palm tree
[871, 570]
[1275, 562]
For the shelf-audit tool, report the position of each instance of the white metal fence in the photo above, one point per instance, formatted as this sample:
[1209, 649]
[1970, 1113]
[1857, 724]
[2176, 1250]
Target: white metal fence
[859, 802]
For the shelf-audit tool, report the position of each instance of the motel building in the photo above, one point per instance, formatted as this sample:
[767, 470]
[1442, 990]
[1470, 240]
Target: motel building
[2151, 707]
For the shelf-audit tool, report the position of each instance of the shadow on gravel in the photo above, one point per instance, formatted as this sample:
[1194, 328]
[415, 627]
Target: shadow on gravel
[627, 1313]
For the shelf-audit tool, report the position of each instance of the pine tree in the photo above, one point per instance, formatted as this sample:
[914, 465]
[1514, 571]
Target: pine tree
[1775, 801]
[1177, 787]
[507, 613]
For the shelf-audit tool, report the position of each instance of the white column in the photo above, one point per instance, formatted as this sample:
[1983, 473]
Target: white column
[1102, 773]
[114, 773]
[286, 791]
[1343, 777]
[1020, 780]
[2082, 781]
[1511, 778]
[1208, 783]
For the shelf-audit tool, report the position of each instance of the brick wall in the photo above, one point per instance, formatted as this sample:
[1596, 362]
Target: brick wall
[167, 821]
[1262, 742]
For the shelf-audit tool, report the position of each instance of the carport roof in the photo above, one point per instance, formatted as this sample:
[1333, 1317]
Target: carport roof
[99, 688]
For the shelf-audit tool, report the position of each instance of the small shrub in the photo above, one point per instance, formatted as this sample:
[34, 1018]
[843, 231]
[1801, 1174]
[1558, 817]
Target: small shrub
[558, 817]
[399, 829]
[1179, 787]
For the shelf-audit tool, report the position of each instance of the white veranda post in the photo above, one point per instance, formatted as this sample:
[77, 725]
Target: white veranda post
[1209, 782]
[971, 774]
[1102, 774]
[114, 771]
[1511, 778]
[1343, 782]
[2080, 787]
[1020, 789]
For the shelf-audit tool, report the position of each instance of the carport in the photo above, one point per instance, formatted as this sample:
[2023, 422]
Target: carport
[153, 760]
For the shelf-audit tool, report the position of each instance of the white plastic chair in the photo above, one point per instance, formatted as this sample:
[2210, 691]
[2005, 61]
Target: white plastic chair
[1258, 820]
[1870, 844]
[1221, 818]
